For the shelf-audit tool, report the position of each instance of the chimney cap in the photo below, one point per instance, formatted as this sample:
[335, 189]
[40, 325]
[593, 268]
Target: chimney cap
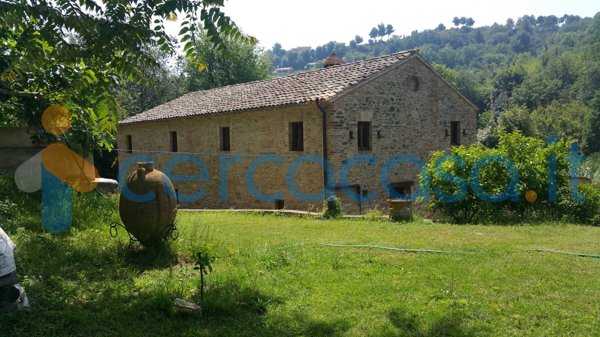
[333, 60]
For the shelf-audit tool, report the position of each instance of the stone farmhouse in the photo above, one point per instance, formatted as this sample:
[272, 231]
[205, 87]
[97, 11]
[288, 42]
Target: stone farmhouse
[262, 144]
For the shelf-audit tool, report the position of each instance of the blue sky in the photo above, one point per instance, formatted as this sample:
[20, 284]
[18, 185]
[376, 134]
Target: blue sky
[316, 22]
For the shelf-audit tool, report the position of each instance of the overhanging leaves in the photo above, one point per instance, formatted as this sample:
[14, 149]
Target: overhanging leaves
[75, 52]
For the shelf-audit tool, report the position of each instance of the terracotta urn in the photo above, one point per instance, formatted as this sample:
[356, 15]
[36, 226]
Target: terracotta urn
[149, 206]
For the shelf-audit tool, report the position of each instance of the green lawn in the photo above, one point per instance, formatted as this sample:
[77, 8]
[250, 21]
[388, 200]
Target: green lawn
[272, 278]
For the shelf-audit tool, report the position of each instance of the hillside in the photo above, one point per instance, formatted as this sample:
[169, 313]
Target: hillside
[539, 74]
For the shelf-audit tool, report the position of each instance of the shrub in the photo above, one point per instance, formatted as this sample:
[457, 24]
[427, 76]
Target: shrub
[204, 257]
[7, 207]
[591, 168]
[513, 183]
[374, 215]
[583, 212]
[332, 208]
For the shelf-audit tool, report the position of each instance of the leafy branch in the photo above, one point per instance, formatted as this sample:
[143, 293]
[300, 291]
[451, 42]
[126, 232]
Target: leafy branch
[76, 52]
[204, 258]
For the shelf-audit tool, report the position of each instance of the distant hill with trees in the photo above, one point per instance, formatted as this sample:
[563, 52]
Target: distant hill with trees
[540, 75]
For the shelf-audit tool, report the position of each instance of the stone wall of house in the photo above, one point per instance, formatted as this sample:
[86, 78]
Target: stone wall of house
[410, 109]
[224, 185]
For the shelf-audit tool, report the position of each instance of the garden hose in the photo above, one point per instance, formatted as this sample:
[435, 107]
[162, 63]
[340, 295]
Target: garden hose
[404, 250]
[568, 253]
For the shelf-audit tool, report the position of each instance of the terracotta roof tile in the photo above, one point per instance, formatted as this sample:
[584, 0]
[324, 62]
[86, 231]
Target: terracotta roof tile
[293, 89]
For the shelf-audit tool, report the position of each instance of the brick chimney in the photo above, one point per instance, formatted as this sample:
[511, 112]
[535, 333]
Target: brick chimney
[333, 60]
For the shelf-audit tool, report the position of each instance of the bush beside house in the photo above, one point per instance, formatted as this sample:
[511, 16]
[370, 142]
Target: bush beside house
[513, 182]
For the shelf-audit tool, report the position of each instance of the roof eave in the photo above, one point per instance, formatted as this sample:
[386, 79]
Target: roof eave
[260, 108]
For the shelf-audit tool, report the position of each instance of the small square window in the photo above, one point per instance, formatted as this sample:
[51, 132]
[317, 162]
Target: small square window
[225, 139]
[296, 136]
[364, 136]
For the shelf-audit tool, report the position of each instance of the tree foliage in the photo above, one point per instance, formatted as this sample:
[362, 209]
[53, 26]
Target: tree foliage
[380, 31]
[446, 72]
[517, 118]
[74, 53]
[162, 82]
[374, 33]
[593, 138]
[463, 21]
[236, 62]
[511, 182]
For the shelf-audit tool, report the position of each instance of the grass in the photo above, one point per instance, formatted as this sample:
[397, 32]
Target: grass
[272, 278]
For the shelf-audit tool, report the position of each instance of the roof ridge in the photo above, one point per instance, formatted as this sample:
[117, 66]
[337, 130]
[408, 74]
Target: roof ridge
[409, 51]
[357, 61]
[298, 88]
